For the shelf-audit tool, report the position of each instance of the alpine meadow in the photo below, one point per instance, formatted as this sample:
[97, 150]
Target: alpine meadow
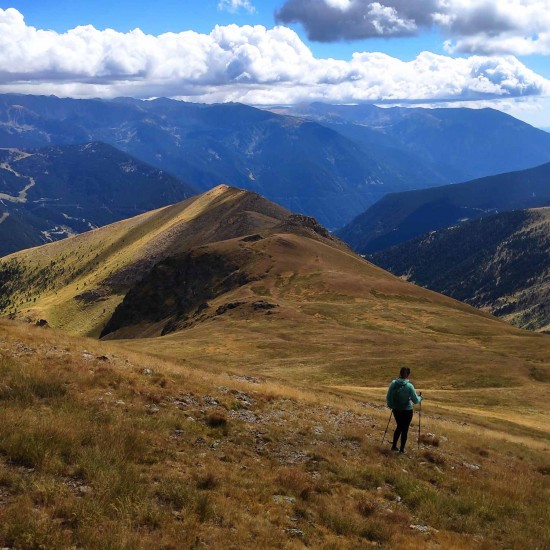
[274, 275]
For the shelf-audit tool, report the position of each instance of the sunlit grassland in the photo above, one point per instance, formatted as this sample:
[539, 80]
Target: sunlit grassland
[98, 452]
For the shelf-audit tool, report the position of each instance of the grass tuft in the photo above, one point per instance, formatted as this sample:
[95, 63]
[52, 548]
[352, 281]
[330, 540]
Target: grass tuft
[216, 419]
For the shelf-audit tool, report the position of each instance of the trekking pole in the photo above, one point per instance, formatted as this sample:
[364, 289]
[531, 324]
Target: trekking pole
[419, 419]
[385, 431]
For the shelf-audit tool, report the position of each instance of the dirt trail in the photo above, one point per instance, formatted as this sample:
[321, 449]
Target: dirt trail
[22, 196]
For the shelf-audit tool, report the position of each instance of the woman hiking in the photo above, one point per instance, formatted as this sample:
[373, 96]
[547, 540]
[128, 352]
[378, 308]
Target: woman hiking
[400, 398]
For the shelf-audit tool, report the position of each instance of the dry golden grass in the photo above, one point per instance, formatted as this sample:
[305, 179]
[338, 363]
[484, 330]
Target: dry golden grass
[104, 448]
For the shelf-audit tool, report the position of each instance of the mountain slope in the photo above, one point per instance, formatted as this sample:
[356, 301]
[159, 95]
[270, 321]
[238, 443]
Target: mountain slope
[456, 144]
[402, 216]
[499, 263]
[54, 192]
[230, 276]
[299, 163]
[167, 456]
[79, 281]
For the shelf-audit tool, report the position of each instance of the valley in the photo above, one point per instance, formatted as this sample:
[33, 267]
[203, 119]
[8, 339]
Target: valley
[400, 217]
[51, 193]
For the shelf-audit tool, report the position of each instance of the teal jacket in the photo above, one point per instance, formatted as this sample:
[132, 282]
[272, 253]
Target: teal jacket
[401, 395]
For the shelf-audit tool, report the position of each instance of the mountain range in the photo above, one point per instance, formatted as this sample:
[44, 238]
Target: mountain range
[53, 192]
[498, 263]
[449, 144]
[402, 216]
[329, 167]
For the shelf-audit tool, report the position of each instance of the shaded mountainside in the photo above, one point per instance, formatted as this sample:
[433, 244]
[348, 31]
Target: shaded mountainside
[51, 193]
[301, 164]
[452, 145]
[499, 263]
[402, 216]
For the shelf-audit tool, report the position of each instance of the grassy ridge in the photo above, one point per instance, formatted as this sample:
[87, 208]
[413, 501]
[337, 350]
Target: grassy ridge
[77, 283]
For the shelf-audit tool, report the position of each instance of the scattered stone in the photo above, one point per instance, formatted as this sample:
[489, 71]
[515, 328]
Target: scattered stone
[295, 532]
[425, 529]
[244, 399]
[152, 409]
[250, 379]
[263, 305]
[246, 416]
[23, 348]
[473, 467]
[210, 401]
[147, 372]
[282, 499]
[293, 457]
[102, 358]
[226, 307]
[120, 402]
[185, 401]
[41, 323]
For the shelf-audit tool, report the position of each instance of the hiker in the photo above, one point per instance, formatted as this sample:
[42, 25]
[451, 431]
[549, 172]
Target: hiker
[400, 398]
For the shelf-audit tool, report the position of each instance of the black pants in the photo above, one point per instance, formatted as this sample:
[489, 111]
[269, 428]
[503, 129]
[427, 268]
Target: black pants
[403, 419]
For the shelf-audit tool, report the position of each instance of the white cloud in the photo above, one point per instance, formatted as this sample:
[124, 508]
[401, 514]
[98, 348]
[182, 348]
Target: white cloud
[517, 27]
[248, 64]
[234, 6]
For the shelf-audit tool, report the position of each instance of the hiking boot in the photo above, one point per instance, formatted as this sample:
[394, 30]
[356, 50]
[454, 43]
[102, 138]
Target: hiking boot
[402, 451]
[394, 449]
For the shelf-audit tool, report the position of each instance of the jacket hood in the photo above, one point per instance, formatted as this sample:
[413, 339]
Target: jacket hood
[401, 381]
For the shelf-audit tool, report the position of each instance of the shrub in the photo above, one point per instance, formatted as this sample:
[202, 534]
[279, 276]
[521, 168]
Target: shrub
[434, 458]
[216, 419]
[430, 439]
[208, 481]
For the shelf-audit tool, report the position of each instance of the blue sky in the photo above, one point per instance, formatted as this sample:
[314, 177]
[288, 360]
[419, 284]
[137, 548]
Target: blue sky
[202, 16]
[501, 59]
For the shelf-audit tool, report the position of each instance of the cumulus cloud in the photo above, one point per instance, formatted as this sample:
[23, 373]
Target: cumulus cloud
[472, 26]
[249, 64]
[234, 6]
